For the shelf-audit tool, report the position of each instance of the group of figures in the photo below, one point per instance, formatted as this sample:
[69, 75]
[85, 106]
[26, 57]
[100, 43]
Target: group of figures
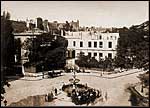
[82, 94]
[85, 96]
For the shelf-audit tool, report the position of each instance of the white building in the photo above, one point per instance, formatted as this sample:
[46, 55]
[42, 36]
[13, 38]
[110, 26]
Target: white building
[100, 45]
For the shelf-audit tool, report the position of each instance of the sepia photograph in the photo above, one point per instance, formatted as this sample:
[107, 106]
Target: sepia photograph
[74, 53]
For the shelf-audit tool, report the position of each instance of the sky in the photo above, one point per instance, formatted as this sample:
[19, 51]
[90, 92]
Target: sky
[89, 13]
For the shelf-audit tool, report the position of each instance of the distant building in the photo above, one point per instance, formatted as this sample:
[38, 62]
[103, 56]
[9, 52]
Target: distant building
[53, 25]
[31, 24]
[19, 26]
[45, 24]
[75, 25]
[23, 37]
[40, 23]
[98, 45]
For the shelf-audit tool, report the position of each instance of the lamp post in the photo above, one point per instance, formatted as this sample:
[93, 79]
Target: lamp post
[74, 78]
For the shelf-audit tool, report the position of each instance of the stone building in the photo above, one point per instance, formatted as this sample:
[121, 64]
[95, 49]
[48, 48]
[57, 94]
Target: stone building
[98, 45]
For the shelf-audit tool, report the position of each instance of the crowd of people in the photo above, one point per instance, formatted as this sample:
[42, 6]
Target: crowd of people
[85, 96]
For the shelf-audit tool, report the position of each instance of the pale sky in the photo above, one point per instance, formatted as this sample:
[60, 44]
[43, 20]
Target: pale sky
[89, 13]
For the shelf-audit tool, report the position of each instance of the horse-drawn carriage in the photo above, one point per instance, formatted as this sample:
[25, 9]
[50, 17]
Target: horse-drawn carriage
[54, 73]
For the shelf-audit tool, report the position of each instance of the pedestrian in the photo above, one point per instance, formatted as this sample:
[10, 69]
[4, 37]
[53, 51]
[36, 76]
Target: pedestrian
[42, 71]
[43, 75]
[101, 73]
[83, 70]
[106, 96]
[55, 91]
[98, 92]
[50, 96]
[46, 98]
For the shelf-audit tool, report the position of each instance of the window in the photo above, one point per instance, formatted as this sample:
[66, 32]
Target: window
[101, 44]
[109, 44]
[111, 37]
[89, 54]
[81, 44]
[95, 44]
[109, 55]
[73, 54]
[100, 37]
[74, 43]
[95, 54]
[100, 54]
[89, 44]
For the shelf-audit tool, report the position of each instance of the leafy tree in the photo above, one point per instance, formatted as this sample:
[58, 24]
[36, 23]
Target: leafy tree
[93, 63]
[7, 44]
[7, 51]
[82, 60]
[49, 51]
[133, 47]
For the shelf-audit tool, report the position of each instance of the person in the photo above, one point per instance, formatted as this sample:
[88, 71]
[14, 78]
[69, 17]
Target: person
[106, 96]
[101, 73]
[98, 93]
[43, 75]
[46, 97]
[50, 96]
[42, 71]
[83, 70]
[53, 72]
[55, 91]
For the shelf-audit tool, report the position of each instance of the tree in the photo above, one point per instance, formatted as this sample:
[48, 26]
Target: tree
[7, 51]
[7, 45]
[49, 51]
[93, 63]
[82, 60]
[133, 47]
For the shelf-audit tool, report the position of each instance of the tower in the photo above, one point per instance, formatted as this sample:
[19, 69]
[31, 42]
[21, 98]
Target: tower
[40, 23]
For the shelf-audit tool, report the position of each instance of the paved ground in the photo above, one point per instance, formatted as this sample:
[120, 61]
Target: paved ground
[113, 84]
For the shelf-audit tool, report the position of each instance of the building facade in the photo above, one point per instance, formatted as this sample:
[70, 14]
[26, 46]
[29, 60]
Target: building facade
[19, 26]
[98, 45]
[23, 37]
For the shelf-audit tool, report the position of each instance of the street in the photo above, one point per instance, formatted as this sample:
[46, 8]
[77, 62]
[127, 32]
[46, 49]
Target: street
[115, 87]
